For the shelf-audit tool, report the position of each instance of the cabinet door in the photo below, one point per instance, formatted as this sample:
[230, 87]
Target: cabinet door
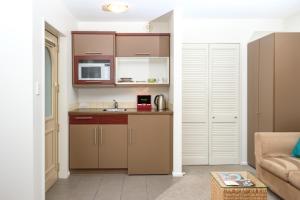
[253, 73]
[149, 144]
[140, 45]
[224, 104]
[113, 146]
[195, 104]
[83, 146]
[287, 81]
[266, 84]
[93, 44]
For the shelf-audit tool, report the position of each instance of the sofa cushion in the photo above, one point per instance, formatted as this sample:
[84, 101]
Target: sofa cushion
[294, 178]
[280, 166]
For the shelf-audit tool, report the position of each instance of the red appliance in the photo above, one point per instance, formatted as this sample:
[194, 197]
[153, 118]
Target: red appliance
[144, 103]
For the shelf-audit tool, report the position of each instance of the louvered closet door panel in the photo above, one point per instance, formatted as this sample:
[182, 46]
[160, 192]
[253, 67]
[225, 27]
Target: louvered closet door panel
[224, 91]
[195, 104]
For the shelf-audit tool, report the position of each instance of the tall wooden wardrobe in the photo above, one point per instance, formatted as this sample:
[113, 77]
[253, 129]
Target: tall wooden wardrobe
[273, 86]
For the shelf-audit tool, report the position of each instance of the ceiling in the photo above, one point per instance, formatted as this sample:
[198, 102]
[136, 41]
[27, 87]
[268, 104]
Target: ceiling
[146, 10]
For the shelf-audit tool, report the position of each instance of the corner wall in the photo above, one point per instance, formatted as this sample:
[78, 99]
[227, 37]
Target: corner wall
[171, 22]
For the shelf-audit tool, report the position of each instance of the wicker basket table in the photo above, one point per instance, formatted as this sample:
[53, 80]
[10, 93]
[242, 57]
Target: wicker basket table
[219, 191]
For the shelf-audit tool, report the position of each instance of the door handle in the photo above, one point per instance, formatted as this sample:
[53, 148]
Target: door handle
[101, 135]
[83, 118]
[93, 53]
[142, 54]
[95, 135]
[130, 135]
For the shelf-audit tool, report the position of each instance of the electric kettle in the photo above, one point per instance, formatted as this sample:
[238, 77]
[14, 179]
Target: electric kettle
[160, 102]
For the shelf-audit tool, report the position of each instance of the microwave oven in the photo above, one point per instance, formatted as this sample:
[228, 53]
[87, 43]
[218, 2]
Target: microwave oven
[93, 70]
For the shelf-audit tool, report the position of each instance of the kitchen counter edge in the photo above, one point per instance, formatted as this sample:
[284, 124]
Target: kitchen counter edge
[130, 111]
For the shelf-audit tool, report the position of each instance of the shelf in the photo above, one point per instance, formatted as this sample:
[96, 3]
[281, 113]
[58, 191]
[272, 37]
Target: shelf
[140, 69]
[142, 85]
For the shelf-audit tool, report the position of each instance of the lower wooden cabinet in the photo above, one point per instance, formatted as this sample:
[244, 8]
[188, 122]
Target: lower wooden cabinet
[113, 146]
[83, 146]
[149, 144]
[144, 145]
[98, 146]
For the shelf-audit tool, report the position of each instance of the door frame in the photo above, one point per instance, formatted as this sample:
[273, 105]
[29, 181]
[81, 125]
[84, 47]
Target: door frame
[52, 43]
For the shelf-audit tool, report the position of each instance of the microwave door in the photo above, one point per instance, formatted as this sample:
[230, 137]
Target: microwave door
[90, 72]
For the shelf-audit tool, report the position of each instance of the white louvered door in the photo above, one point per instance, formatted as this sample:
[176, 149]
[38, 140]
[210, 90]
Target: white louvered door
[195, 104]
[224, 137]
[211, 132]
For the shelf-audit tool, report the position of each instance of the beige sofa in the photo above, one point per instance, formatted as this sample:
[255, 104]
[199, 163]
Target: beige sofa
[274, 165]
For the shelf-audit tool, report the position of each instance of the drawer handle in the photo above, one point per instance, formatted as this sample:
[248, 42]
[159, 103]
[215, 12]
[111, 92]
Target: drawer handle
[93, 53]
[83, 117]
[142, 54]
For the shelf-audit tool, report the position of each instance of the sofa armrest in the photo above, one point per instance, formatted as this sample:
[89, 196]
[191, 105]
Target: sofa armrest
[280, 143]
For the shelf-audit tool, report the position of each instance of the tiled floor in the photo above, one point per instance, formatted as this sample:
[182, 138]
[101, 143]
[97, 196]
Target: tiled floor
[194, 185]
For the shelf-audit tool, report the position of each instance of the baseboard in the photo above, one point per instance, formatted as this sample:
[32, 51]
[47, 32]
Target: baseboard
[64, 174]
[243, 163]
[178, 174]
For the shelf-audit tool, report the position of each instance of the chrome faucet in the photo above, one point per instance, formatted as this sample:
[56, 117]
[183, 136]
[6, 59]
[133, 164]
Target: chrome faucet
[115, 103]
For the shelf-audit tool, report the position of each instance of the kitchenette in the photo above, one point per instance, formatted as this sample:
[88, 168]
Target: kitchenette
[123, 121]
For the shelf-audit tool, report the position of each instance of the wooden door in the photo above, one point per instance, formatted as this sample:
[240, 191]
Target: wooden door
[224, 104]
[149, 144]
[85, 43]
[253, 74]
[287, 82]
[83, 145]
[143, 45]
[51, 111]
[266, 84]
[195, 104]
[113, 146]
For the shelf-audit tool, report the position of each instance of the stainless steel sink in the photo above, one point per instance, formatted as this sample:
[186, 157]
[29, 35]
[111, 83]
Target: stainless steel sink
[114, 110]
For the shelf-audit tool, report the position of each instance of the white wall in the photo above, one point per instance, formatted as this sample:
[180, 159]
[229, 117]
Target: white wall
[232, 31]
[123, 27]
[17, 136]
[54, 13]
[292, 23]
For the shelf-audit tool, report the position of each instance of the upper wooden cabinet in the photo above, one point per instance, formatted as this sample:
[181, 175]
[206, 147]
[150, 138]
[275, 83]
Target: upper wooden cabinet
[93, 43]
[143, 45]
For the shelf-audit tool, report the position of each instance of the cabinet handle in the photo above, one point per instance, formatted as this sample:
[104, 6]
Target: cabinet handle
[90, 52]
[93, 81]
[213, 117]
[95, 136]
[142, 54]
[130, 136]
[83, 117]
[101, 133]
[235, 117]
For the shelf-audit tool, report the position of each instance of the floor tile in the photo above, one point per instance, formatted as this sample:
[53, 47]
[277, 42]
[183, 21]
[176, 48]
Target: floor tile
[194, 185]
[111, 187]
[134, 188]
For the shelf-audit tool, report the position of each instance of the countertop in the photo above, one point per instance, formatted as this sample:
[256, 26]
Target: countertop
[132, 111]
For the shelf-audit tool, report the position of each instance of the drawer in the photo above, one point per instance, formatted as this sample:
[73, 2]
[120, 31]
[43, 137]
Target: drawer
[84, 119]
[114, 119]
